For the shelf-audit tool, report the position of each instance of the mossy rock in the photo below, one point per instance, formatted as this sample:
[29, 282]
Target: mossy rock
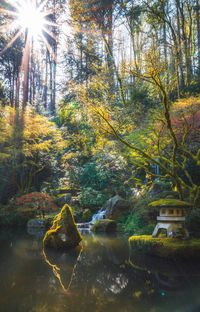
[87, 215]
[68, 190]
[170, 248]
[169, 202]
[116, 207]
[104, 226]
[64, 232]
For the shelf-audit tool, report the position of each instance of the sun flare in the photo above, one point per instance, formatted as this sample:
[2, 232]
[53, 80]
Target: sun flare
[31, 18]
[28, 17]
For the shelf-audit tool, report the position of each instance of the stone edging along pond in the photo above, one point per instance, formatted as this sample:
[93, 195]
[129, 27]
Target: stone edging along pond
[170, 248]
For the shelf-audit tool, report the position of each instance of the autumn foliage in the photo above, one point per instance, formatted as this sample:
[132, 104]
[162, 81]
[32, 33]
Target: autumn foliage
[38, 202]
[186, 117]
[29, 146]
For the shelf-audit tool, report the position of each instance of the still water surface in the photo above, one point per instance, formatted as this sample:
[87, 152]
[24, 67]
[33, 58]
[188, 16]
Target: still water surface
[98, 277]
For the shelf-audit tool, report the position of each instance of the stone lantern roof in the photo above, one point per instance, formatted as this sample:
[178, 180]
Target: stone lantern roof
[170, 202]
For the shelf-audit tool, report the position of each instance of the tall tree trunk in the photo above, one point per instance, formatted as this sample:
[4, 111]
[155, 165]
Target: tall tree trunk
[31, 76]
[186, 41]
[46, 80]
[198, 31]
[50, 81]
[179, 49]
[53, 107]
[26, 71]
[109, 53]
[53, 103]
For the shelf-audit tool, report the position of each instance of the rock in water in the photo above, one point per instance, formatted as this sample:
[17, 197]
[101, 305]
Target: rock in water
[105, 226]
[64, 232]
[115, 207]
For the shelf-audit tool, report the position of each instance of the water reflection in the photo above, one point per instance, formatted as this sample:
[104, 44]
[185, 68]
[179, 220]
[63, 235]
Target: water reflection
[98, 277]
[36, 232]
[63, 265]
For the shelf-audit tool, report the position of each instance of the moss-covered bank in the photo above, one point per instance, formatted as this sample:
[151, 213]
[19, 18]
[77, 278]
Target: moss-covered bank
[165, 247]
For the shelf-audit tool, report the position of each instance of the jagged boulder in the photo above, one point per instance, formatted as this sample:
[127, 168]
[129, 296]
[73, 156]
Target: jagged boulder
[104, 226]
[64, 232]
[115, 207]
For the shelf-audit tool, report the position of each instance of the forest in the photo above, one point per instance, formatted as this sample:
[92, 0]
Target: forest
[99, 155]
[99, 99]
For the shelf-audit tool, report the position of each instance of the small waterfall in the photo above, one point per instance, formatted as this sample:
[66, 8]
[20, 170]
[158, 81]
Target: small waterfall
[98, 216]
[85, 227]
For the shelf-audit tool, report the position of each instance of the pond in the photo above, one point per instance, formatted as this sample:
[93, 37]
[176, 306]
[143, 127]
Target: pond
[97, 277]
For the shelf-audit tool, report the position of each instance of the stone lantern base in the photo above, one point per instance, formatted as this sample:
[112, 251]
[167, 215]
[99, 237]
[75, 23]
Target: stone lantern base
[171, 227]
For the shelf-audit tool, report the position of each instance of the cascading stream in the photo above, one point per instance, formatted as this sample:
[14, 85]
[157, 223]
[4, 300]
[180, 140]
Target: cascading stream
[85, 227]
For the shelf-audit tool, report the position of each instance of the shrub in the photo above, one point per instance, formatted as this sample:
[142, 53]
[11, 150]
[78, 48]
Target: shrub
[36, 202]
[193, 222]
[14, 218]
[23, 170]
[142, 218]
[91, 198]
[135, 224]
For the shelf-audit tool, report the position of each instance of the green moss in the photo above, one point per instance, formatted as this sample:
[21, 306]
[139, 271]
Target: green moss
[63, 189]
[169, 202]
[63, 232]
[63, 194]
[87, 215]
[104, 225]
[106, 221]
[165, 247]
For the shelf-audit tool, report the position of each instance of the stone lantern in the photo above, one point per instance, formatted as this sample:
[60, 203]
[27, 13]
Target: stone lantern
[171, 217]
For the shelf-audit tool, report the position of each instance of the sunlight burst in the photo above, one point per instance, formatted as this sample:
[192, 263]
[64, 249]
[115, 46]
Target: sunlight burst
[27, 16]
[30, 18]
